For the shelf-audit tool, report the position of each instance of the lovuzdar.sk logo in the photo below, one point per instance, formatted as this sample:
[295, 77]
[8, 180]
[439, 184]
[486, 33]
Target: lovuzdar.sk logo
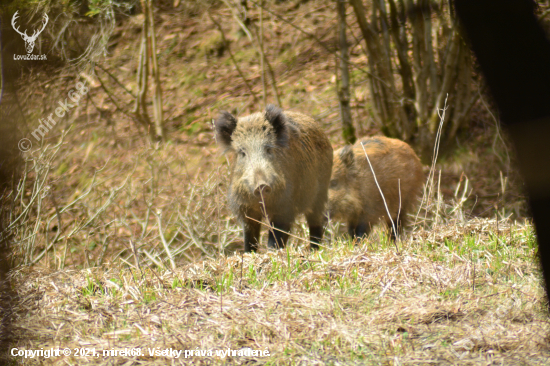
[29, 40]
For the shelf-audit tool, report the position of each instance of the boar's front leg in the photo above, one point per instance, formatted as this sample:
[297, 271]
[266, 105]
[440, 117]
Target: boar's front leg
[277, 238]
[316, 223]
[251, 231]
[315, 236]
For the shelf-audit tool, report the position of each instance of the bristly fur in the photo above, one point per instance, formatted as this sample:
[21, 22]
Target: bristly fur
[354, 196]
[347, 156]
[277, 118]
[280, 168]
[225, 125]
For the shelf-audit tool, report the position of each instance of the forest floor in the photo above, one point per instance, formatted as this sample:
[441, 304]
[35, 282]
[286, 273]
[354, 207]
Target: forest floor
[463, 293]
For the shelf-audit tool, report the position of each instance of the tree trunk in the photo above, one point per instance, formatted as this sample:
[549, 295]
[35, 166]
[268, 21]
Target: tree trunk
[430, 62]
[348, 130]
[148, 57]
[157, 96]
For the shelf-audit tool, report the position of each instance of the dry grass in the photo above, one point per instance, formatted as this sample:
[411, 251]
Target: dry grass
[464, 295]
[157, 202]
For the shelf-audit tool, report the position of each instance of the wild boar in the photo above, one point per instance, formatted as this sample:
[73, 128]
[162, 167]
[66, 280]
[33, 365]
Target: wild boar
[281, 166]
[354, 197]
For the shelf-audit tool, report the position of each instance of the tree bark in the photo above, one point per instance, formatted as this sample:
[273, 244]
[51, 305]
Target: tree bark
[348, 130]
[157, 96]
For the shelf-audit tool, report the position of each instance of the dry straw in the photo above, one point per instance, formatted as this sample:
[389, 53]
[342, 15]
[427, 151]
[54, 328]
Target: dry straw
[345, 305]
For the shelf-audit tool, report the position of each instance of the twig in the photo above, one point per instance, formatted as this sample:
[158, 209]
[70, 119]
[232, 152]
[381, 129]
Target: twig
[111, 98]
[399, 210]
[264, 212]
[242, 263]
[381, 194]
[150, 256]
[473, 273]
[262, 59]
[429, 181]
[116, 80]
[163, 240]
[136, 257]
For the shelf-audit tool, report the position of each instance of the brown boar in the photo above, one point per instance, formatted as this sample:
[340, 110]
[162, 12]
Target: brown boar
[353, 195]
[281, 165]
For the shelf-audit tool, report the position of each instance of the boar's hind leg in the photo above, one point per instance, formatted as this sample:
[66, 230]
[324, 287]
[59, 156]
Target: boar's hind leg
[251, 234]
[277, 238]
[360, 230]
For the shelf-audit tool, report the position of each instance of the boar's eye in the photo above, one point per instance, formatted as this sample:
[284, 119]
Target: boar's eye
[242, 154]
[333, 183]
[269, 150]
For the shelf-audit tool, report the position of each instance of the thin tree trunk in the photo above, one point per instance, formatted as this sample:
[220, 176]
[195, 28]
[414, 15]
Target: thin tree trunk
[157, 96]
[140, 110]
[262, 58]
[392, 118]
[429, 52]
[147, 55]
[419, 68]
[401, 47]
[430, 62]
[348, 130]
[405, 70]
[450, 74]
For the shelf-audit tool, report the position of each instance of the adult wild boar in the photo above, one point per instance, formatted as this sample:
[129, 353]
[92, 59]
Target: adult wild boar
[353, 195]
[281, 165]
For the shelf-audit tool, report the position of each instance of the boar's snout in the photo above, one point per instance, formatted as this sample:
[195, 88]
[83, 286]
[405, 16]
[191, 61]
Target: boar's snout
[262, 189]
[261, 183]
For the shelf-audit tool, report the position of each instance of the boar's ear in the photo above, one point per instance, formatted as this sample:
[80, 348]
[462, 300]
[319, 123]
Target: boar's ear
[225, 125]
[277, 118]
[347, 156]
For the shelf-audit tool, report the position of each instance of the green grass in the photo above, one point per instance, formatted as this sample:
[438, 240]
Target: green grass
[459, 293]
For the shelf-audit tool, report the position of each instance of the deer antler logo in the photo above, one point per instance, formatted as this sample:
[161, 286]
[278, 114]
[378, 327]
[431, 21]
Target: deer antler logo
[29, 41]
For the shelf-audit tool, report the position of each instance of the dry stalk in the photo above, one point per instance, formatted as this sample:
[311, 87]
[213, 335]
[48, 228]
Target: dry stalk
[382, 195]
[264, 212]
[158, 215]
[428, 187]
[136, 256]
[399, 209]
[29, 216]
